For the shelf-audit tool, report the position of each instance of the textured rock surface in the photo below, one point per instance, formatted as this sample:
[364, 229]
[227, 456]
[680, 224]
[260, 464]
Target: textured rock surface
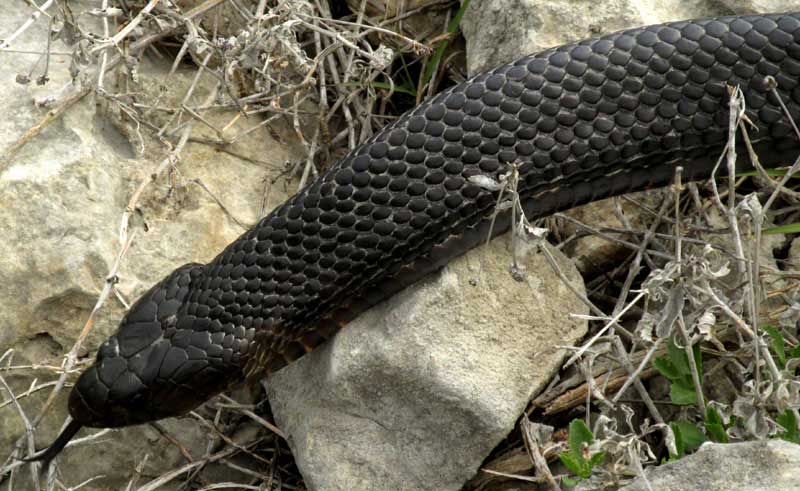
[499, 31]
[61, 200]
[416, 392]
[752, 466]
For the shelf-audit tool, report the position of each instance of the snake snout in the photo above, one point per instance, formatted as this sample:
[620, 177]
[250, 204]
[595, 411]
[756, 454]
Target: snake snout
[148, 369]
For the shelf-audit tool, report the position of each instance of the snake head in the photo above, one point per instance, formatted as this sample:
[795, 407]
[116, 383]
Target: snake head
[155, 365]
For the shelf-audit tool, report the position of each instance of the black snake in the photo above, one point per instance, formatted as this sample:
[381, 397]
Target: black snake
[583, 121]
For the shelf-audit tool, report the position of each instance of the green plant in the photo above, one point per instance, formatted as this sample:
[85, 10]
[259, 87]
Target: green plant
[688, 437]
[788, 421]
[675, 367]
[778, 346]
[452, 27]
[715, 427]
[577, 458]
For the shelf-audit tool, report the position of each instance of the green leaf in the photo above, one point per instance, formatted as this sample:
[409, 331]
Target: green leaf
[452, 27]
[579, 434]
[596, 459]
[679, 446]
[572, 463]
[791, 228]
[714, 426]
[788, 421]
[681, 394]
[666, 368]
[770, 172]
[570, 482]
[678, 358]
[687, 437]
[795, 352]
[777, 344]
[692, 436]
[698, 361]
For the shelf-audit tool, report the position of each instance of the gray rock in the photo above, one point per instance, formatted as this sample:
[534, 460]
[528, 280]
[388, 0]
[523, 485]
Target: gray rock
[416, 392]
[751, 466]
[61, 200]
[499, 31]
[758, 6]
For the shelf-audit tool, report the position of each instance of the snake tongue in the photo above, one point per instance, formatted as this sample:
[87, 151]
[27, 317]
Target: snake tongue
[57, 446]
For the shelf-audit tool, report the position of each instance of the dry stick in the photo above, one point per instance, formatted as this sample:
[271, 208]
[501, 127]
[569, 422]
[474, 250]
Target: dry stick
[28, 428]
[333, 67]
[671, 221]
[123, 33]
[44, 122]
[688, 347]
[742, 325]
[613, 321]
[532, 445]
[219, 203]
[635, 267]
[29, 392]
[189, 92]
[755, 279]
[104, 58]
[228, 440]
[416, 46]
[137, 472]
[25, 25]
[335, 35]
[169, 476]
[598, 233]
[640, 388]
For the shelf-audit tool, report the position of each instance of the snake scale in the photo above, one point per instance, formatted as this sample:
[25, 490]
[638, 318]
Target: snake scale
[583, 121]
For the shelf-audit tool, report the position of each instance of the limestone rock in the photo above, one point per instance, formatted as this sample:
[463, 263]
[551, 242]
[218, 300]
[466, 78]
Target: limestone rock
[752, 466]
[414, 393]
[760, 6]
[500, 31]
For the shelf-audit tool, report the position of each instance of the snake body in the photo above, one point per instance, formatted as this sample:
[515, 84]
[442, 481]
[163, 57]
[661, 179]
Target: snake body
[584, 121]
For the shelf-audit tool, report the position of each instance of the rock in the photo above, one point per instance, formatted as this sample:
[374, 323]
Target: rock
[759, 6]
[752, 466]
[63, 196]
[414, 393]
[500, 31]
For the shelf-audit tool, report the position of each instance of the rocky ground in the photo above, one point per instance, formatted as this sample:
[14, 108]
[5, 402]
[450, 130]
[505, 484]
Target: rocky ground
[120, 162]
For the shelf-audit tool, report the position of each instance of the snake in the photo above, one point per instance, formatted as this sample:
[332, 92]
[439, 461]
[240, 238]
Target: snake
[580, 122]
